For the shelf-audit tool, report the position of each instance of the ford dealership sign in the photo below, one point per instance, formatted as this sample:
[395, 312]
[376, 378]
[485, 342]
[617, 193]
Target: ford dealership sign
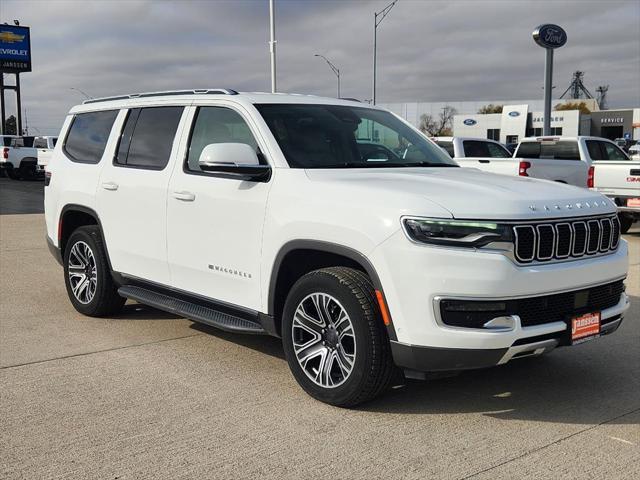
[469, 122]
[550, 36]
[514, 114]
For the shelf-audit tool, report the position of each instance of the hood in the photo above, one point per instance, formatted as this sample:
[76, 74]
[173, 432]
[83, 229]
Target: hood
[468, 193]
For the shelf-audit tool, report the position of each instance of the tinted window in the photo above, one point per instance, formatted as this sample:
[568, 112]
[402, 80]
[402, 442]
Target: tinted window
[147, 137]
[40, 143]
[216, 125]
[332, 136]
[88, 136]
[604, 151]
[448, 146]
[478, 148]
[562, 150]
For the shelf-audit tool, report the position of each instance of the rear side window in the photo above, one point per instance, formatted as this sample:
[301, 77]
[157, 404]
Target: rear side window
[604, 151]
[40, 143]
[562, 150]
[479, 148]
[88, 135]
[147, 137]
[448, 146]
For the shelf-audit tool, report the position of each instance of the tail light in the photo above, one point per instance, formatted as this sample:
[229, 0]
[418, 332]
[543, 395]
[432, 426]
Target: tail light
[5, 153]
[522, 170]
[591, 176]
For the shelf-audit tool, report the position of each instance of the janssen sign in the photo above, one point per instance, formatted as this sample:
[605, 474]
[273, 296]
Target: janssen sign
[15, 49]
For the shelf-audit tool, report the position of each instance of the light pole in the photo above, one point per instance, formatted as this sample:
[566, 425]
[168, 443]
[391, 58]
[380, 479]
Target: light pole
[89, 97]
[382, 13]
[272, 44]
[335, 69]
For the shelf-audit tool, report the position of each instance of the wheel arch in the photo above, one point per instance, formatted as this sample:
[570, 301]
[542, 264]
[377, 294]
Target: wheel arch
[299, 257]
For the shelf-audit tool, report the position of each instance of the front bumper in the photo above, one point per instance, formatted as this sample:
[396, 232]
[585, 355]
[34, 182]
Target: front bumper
[415, 276]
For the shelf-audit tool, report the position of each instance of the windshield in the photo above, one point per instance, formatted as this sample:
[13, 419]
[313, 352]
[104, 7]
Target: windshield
[330, 136]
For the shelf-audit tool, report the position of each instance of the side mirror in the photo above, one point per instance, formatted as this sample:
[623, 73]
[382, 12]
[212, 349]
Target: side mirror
[234, 159]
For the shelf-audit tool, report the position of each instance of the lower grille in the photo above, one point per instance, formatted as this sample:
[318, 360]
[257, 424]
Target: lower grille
[534, 310]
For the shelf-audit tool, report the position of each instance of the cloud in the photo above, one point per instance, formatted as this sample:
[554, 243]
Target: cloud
[427, 50]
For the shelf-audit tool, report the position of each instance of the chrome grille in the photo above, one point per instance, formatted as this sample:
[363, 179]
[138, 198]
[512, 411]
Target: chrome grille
[542, 242]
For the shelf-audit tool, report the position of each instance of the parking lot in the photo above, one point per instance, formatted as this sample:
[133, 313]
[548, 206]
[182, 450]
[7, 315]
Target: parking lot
[149, 395]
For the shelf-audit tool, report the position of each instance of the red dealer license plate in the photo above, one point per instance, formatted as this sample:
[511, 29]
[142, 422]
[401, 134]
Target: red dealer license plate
[633, 202]
[585, 327]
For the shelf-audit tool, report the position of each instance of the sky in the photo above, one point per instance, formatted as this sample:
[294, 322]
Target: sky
[453, 50]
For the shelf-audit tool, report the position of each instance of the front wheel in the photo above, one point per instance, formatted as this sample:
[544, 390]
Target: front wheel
[625, 222]
[334, 340]
[87, 275]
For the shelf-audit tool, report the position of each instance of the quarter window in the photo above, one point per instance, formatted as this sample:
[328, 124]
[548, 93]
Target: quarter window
[147, 137]
[88, 135]
[216, 125]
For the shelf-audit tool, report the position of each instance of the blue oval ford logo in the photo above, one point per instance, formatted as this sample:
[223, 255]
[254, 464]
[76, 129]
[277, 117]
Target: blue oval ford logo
[514, 114]
[469, 122]
[550, 36]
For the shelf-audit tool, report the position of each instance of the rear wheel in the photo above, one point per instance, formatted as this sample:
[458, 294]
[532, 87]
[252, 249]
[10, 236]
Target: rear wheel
[87, 276]
[333, 337]
[625, 222]
[13, 174]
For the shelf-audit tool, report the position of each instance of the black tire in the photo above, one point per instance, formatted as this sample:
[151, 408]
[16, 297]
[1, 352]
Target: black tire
[105, 300]
[373, 368]
[27, 171]
[13, 174]
[625, 222]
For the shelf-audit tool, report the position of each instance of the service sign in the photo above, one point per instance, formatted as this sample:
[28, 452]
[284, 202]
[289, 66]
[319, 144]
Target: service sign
[550, 36]
[15, 49]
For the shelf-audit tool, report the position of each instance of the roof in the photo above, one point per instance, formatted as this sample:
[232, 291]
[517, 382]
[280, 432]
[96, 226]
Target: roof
[150, 98]
[558, 138]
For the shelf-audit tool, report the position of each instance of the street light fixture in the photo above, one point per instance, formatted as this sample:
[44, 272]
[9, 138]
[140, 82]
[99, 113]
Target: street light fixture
[382, 13]
[335, 69]
[82, 92]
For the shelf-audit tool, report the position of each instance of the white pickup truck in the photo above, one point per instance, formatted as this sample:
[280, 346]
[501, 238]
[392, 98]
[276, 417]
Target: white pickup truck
[610, 171]
[44, 146]
[20, 155]
[493, 157]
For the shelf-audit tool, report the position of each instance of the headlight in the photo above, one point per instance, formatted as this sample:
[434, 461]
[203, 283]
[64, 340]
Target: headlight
[457, 233]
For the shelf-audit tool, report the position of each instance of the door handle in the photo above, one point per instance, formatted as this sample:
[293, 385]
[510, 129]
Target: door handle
[484, 161]
[184, 196]
[110, 186]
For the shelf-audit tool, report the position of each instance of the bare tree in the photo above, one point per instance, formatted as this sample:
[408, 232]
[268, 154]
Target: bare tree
[491, 108]
[442, 126]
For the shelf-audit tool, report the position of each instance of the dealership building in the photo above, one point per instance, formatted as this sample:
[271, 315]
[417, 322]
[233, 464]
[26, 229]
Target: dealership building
[525, 118]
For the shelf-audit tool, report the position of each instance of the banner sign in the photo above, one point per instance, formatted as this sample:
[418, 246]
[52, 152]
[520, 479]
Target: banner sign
[15, 49]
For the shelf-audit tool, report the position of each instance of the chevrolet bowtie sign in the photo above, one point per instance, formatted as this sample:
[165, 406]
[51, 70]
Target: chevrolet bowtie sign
[15, 49]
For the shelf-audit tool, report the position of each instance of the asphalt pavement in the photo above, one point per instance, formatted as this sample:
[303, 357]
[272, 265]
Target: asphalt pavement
[146, 395]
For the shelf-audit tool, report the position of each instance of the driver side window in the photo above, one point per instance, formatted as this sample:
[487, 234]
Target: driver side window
[216, 125]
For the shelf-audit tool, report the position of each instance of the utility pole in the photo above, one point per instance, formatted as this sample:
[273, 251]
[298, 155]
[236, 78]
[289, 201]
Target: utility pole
[382, 13]
[272, 45]
[335, 69]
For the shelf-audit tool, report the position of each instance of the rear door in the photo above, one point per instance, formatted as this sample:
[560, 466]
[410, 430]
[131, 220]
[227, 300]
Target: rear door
[132, 192]
[215, 221]
[614, 173]
[487, 156]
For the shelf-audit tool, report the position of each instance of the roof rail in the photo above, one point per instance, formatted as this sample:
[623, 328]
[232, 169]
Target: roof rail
[196, 91]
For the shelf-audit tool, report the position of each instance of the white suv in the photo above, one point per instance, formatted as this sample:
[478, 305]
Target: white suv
[334, 225]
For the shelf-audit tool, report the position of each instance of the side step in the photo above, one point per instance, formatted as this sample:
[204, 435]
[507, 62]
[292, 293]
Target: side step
[190, 310]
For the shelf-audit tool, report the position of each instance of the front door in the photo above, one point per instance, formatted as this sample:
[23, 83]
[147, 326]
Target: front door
[215, 222]
[132, 192]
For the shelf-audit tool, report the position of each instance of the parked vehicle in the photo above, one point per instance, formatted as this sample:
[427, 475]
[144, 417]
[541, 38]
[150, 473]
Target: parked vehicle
[5, 143]
[19, 158]
[493, 157]
[611, 172]
[44, 146]
[332, 224]
[634, 152]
